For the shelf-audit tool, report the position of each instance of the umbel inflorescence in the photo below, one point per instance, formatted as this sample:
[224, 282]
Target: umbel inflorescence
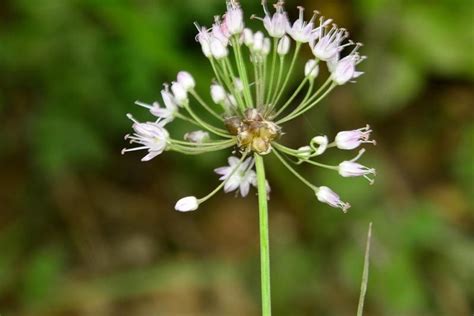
[252, 73]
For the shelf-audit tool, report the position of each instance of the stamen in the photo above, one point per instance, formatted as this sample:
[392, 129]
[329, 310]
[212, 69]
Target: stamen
[139, 103]
[371, 181]
[125, 150]
[301, 9]
[361, 152]
[344, 206]
[315, 14]
[132, 118]
[265, 8]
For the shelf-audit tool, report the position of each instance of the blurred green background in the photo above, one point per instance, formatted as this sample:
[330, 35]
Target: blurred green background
[86, 231]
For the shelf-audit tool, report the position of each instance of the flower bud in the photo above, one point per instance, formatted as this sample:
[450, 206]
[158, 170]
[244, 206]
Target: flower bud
[322, 142]
[304, 152]
[179, 92]
[186, 80]
[267, 46]
[247, 37]
[218, 49]
[234, 19]
[354, 169]
[328, 196]
[187, 204]
[218, 93]
[238, 85]
[258, 39]
[348, 140]
[203, 38]
[311, 70]
[197, 137]
[283, 46]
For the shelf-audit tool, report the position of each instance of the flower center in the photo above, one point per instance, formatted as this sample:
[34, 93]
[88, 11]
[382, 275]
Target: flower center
[253, 131]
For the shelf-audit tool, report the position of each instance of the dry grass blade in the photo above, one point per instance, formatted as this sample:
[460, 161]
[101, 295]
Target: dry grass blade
[365, 274]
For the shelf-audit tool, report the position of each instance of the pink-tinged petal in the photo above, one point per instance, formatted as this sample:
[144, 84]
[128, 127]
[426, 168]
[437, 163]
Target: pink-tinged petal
[233, 161]
[222, 171]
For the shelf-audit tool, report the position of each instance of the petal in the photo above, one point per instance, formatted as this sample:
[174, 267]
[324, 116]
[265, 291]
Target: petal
[150, 156]
[231, 184]
[245, 188]
[233, 161]
[222, 171]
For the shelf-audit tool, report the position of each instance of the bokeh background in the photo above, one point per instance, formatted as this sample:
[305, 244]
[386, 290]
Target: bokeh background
[86, 231]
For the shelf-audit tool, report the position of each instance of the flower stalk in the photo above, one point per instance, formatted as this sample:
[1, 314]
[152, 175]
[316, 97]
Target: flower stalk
[264, 235]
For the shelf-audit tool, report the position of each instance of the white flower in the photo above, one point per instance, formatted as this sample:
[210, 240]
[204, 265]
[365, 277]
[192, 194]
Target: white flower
[186, 80]
[179, 92]
[197, 137]
[275, 25]
[240, 178]
[165, 115]
[349, 140]
[302, 31]
[345, 71]
[187, 204]
[218, 93]
[328, 196]
[283, 46]
[234, 18]
[353, 169]
[311, 69]
[322, 142]
[204, 38]
[152, 136]
[220, 31]
[329, 45]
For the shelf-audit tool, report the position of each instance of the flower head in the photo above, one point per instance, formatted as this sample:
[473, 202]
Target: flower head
[351, 168]
[151, 136]
[277, 23]
[234, 18]
[344, 70]
[237, 175]
[250, 106]
[302, 31]
[328, 196]
[329, 44]
[348, 140]
[187, 204]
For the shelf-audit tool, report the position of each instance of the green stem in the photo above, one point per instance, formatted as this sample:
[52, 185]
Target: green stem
[264, 239]
[307, 108]
[290, 70]
[206, 106]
